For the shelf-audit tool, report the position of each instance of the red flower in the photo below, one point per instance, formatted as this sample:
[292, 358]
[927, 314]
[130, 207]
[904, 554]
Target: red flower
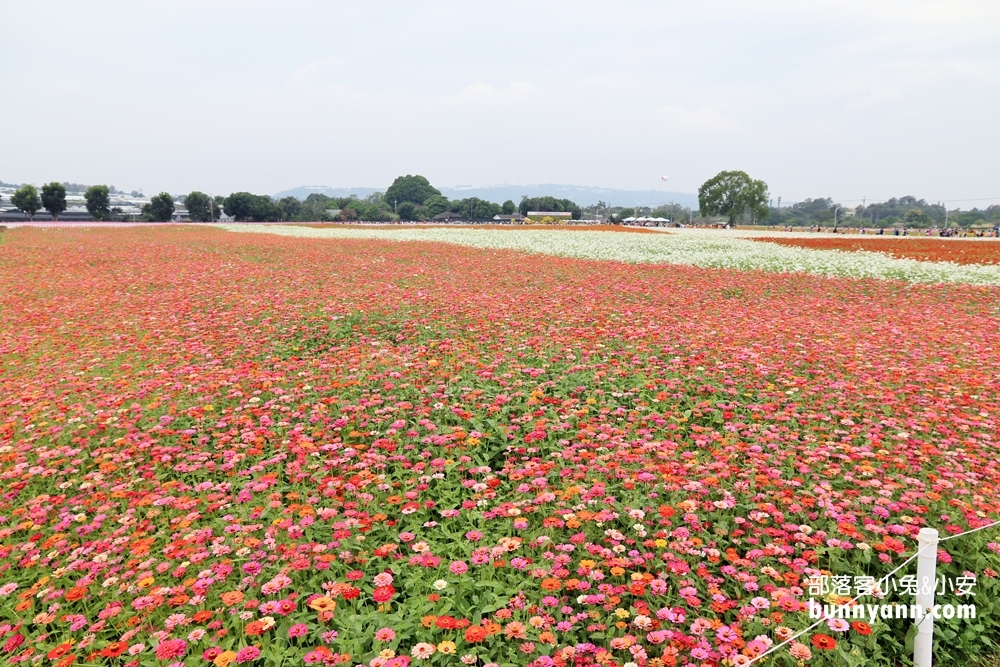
[476, 633]
[861, 627]
[825, 642]
[60, 651]
[383, 593]
[114, 650]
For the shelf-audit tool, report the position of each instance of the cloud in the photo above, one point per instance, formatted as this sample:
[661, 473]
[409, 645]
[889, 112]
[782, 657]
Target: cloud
[482, 94]
[702, 120]
[315, 70]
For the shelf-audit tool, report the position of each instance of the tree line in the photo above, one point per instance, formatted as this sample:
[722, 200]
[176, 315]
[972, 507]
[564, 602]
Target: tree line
[906, 211]
[409, 198]
[731, 195]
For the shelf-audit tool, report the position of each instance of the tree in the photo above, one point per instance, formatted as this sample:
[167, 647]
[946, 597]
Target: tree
[244, 206]
[289, 207]
[407, 211]
[414, 189]
[26, 199]
[199, 207]
[54, 198]
[160, 208]
[98, 202]
[731, 194]
[508, 207]
[435, 204]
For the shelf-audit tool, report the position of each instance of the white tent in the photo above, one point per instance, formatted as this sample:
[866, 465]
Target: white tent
[629, 219]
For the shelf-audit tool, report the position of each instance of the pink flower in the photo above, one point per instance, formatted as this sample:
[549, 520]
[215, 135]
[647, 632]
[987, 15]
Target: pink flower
[298, 630]
[170, 649]
[458, 567]
[247, 654]
[385, 635]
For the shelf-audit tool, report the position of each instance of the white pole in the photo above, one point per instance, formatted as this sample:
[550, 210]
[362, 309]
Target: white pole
[927, 542]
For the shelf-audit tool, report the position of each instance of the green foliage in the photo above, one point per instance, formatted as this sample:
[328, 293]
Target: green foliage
[26, 200]
[98, 202]
[550, 204]
[474, 208]
[436, 204]
[672, 212]
[54, 198]
[244, 207]
[909, 210]
[407, 211]
[160, 208]
[199, 207]
[508, 207]
[290, 208]
[731, 194]
[413, 189]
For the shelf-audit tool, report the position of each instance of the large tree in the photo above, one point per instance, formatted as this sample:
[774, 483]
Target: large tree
[98, 202]
[200, 207]
[54, 198]
[160, 208]
[289, 208]
[414, 189]
[26, 200]
[245, 206]
[731, 194]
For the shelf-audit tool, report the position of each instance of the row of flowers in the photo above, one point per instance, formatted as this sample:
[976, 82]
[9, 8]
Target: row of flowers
[688, 247]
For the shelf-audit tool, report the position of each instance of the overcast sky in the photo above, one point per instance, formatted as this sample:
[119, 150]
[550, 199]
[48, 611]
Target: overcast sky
[844, 98]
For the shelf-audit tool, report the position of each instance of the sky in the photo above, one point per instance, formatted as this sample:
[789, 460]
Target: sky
[847, 99]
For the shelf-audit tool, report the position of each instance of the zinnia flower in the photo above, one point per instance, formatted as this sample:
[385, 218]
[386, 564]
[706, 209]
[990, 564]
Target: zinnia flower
[171, 649]
[422, 651]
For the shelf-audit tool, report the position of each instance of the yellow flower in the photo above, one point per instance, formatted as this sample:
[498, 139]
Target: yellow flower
[145, 583]
[446, 647]
[621, 613]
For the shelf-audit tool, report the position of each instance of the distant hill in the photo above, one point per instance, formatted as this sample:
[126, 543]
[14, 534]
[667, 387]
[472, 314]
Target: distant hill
[581, 194]
[304, 191]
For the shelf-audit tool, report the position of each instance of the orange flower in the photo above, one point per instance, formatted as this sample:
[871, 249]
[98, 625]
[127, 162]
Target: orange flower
[76, 593]
[551, 584]
[230, 598]
[201, 616]
[323, 604]
[825, 642]
[224, 658]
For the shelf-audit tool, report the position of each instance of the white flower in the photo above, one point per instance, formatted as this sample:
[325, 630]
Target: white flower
[440, 584]
[693, 247]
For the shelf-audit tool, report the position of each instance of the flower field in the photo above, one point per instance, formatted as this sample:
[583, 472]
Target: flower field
[958, 251]
[691, 247]
[228, 448]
